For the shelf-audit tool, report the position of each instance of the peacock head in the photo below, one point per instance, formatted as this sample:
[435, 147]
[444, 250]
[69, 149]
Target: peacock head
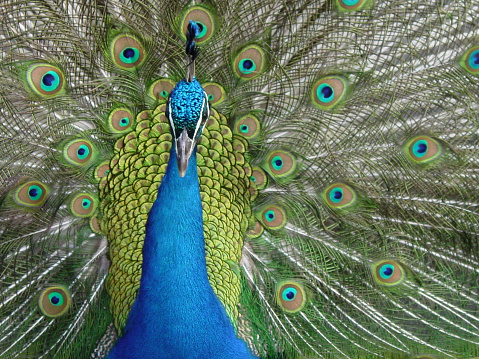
[187, 110]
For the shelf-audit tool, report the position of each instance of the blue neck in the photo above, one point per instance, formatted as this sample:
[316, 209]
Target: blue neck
[176, 313]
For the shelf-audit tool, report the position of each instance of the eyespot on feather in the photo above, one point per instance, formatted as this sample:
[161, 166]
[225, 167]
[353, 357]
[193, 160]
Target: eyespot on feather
[247, 126]
[83, 205]
[95, 225]
[291, 296]
[273, 217]
[328, 92]
[339, 195]
[258, 176]
[352, 5]
[120, 120]
[423, 149]
[256, 231]
[250, 62]
[205, 20]
[102, 170]
[54, 301]
[388, 273]
[470, 60]
[127, 52]
[45, 80]
[281, 164]
[78, 152]
[31, 194]
[161, 89]
[215, 92]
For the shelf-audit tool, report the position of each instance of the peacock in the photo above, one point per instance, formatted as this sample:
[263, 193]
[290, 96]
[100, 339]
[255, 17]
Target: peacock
[225, 179]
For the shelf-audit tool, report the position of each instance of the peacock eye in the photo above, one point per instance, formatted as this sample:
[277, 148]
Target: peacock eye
[291, 296]
[78, 152]
[470, 60]
[250, 62]
[273, 217]
[248, 126]
[83, 205]
[281, 163]
[388, 272]
[423, 149]
[215, 92]
[120, 121]
[46, 80]
[258, 176]
[127, 52]
[339, 195]
[31, 194]
[54, 301]
[205, 21]
[328, 92]
[161, 89]
[352, 5]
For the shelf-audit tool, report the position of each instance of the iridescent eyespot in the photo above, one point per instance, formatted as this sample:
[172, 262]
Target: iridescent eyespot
[215, 92]
[161, 89]
[470, 60]
[45, 80]
[83, 205]
[388, 272]
[291, 296]
[423, 149]
[205, 20]
[258, 176]
[281, 164]
[352, 5]
[102, 170]
[247, 126]
[95, 225]
[273, 217]
[31, 194]
[339, 196]
[78, 152]
[256, 231]
[127, 51]
[328, 92]
[54, 301]
[250, 62]
[120, 120]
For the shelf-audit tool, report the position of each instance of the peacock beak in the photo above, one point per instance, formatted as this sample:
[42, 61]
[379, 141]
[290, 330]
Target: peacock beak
[184, 149]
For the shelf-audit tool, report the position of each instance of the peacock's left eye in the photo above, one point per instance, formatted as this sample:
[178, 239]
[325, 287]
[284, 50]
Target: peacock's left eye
[127, 52]
[291, 296]
[54, 301]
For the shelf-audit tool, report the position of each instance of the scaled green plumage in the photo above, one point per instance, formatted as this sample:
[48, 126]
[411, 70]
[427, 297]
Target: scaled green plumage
[338, 171]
